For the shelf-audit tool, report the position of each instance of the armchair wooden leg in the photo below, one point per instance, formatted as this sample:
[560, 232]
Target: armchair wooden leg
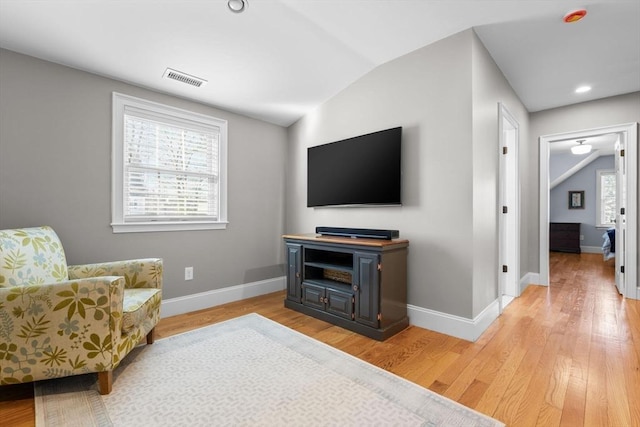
[105, 381]
[151, 336]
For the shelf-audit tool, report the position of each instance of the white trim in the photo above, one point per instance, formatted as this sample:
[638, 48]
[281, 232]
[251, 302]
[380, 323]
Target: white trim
[459, 327]
[508, 243]
[167, 226]
[529, 279]
[215, 297]
[591, 249]
[631, 159]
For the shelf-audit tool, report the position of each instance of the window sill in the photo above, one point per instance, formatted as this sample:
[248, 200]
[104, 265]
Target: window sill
[145, 227]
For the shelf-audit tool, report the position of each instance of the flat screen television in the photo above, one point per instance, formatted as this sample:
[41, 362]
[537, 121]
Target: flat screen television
[363, 170]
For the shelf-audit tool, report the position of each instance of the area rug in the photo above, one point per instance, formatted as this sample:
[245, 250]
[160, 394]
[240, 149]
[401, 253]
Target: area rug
[248, 371]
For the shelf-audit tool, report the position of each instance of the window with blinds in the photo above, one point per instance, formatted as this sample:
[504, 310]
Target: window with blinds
[170, 169]
[605, 198]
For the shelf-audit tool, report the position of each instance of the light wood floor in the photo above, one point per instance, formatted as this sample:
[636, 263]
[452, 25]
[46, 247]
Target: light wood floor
[567, 354]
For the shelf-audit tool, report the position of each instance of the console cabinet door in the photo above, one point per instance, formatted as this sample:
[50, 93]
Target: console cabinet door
[367, 288]
[340, 303]
[313, 296]
[294, 275]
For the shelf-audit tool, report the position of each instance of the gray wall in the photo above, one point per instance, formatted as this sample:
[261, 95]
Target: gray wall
[583, 180]
[587, 115]
[55, 147]
[490, 87]
[445, 97]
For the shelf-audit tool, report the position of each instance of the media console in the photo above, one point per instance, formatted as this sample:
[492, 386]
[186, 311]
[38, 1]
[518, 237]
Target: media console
[358, 284]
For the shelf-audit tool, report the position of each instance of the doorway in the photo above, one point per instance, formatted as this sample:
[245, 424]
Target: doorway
[626, 221]
[508, 208]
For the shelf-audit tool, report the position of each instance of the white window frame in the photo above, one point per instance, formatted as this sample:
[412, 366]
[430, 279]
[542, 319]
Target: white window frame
[599, 173]
[119, 225]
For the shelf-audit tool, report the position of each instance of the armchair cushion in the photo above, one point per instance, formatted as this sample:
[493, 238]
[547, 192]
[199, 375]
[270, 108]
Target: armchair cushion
[31, 256]
[138, 305]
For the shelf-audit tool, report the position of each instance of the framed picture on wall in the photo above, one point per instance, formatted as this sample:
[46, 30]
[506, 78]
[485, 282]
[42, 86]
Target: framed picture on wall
[576, 199]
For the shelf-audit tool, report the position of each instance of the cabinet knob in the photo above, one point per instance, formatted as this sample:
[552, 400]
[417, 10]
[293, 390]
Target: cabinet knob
[298, 274]
[355, 288]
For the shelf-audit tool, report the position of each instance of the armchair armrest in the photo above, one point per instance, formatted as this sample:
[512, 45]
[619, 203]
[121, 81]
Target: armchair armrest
[137, 273]
[59, 329]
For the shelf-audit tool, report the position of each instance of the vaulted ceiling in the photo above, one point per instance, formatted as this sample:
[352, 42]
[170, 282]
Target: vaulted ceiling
[282, 58]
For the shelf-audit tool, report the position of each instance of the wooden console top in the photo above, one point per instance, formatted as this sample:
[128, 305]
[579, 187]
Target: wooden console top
[347, 240]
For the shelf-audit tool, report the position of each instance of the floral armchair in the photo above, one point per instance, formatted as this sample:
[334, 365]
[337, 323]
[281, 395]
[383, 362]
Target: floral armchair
[58, 320]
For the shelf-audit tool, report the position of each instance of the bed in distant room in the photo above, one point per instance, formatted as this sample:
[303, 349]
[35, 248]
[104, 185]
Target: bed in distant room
[609, 245]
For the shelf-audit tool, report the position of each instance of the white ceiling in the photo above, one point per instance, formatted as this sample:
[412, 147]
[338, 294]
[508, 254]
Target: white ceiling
[282, 58]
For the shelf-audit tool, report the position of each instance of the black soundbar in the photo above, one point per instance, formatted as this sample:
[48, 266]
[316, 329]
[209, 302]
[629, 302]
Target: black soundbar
[366, 233]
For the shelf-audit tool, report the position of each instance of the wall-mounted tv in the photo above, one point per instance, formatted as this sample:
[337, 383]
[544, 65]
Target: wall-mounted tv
[363, 170]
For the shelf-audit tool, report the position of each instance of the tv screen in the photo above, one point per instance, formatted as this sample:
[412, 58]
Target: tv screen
[364, 170]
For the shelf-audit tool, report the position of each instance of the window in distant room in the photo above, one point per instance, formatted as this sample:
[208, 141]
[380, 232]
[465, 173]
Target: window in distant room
[605, 198]
[169, 168]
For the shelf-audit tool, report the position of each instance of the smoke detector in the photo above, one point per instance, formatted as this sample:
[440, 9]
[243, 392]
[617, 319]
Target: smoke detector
[183, 77]
[574, 16]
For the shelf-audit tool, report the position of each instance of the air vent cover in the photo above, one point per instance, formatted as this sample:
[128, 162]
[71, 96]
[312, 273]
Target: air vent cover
[183, 77]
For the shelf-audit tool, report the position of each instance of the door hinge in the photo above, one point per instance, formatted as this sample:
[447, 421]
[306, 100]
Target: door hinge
[505, 210]
[621, 153]
[505, 269]
[621, 211]
[379, 267]
[379, 316]
[505, 150]
[622, 269]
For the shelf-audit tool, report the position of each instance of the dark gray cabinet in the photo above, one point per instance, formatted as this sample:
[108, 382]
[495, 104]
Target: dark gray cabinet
[358, 284]
[564, 237]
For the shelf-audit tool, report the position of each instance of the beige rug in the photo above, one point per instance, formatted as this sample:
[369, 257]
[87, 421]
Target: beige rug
[248, 371]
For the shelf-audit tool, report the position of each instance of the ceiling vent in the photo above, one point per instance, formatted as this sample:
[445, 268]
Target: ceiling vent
[184, 78]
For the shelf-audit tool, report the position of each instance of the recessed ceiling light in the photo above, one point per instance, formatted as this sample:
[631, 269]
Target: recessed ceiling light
[583, 89]
[237, 6]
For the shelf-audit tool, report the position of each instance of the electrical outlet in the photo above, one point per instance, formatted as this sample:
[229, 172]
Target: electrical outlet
[188, 273]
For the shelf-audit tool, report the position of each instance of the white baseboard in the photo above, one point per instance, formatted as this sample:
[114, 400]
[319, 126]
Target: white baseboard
[528, 279]
[202, 300]
[591, 249]
[460, 327]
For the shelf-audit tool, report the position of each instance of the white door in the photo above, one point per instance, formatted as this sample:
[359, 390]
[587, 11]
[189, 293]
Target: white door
[508, 209]
[621, 203]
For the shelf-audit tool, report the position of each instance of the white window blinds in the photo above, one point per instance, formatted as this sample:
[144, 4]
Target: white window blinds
[606, 198]
[170, 169]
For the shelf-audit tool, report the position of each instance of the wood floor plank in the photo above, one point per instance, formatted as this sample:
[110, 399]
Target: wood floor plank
[567, 354]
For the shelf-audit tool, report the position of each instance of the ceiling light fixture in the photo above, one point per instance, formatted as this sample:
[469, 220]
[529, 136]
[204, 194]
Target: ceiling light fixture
[237, 6]
[581, 148]
[574, 16]
[583, 89]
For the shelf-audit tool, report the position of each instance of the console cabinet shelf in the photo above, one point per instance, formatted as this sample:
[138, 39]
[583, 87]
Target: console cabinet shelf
[358, 284]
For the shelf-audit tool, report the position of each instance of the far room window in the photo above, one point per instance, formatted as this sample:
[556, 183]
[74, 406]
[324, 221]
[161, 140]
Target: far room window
[606, 198]
[169, 168]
